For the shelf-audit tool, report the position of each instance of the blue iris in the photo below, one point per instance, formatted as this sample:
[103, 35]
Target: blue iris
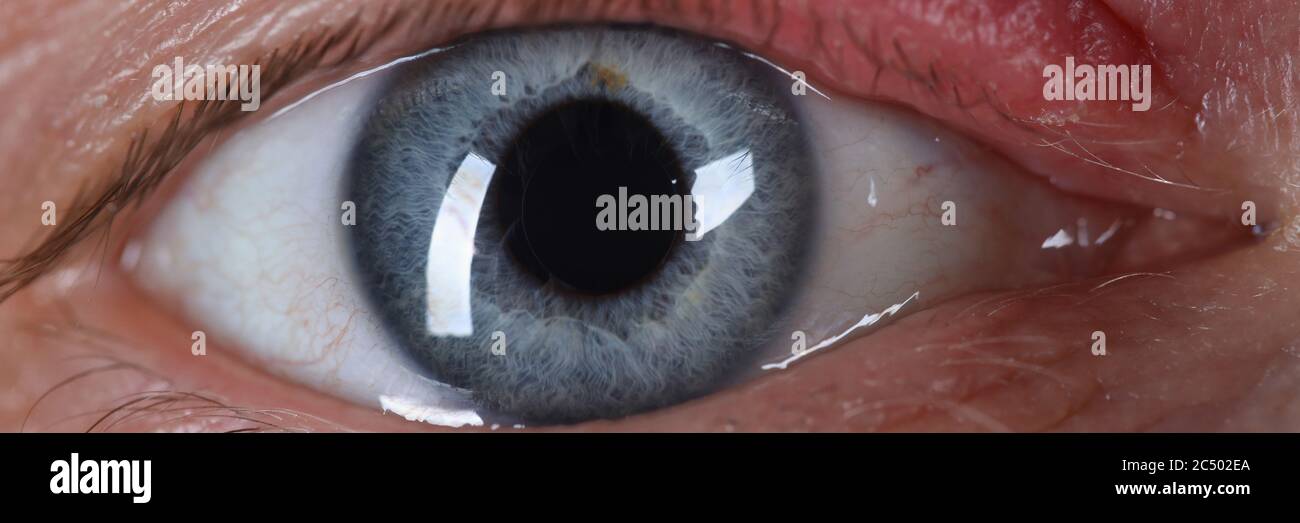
[551, 321]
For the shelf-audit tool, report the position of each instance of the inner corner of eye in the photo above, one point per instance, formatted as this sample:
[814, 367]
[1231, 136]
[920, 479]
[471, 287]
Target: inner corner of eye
[548, 225]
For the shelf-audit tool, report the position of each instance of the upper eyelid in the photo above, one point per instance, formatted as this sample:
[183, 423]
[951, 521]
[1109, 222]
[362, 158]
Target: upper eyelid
[160, 147]
[149, 160]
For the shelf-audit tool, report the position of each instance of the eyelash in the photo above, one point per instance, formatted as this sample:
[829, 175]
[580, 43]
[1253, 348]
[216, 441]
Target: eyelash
[147, 163]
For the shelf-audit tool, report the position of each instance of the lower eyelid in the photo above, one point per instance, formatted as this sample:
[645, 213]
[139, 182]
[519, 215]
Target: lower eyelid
[1012, 354]
[102, 357]
[1002, 362]
[995, 354]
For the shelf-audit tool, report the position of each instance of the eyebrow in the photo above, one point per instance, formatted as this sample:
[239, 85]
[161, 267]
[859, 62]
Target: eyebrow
[151, 157]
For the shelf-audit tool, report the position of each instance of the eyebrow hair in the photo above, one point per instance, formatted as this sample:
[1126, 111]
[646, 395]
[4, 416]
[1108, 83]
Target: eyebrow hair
[149, 160]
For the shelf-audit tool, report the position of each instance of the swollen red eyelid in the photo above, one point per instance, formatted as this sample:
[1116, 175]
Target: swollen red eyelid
[953, 52]
[979, 66]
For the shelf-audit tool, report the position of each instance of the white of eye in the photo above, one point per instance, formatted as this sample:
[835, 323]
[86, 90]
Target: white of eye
[253, 248]
[882, 249]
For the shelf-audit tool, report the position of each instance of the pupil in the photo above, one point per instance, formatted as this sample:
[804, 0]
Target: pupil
[551, 177]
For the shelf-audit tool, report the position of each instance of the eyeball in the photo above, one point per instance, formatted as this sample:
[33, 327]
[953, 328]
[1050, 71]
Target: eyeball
[487, 233]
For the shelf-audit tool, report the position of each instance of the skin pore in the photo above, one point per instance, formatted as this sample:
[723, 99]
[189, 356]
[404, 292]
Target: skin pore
[1208, 344]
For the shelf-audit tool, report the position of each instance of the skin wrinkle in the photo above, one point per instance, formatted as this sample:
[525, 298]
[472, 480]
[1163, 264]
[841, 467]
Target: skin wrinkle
[954, 397]
[1022, 366]
[1141, 166]
[108, 418]
[93, 210]
[1230, 107]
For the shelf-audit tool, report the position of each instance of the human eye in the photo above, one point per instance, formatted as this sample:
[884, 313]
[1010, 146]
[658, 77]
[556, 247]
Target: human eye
[421, 231]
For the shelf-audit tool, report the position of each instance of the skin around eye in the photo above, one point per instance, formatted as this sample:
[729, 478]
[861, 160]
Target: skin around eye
[1227, 288]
